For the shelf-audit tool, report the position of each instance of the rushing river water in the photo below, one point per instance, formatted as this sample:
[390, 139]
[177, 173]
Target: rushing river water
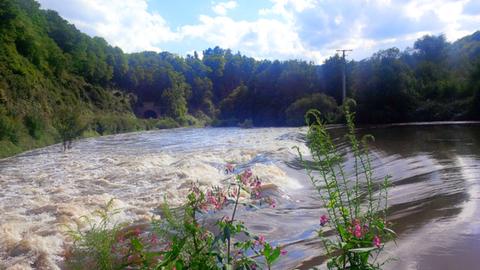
[434, 200]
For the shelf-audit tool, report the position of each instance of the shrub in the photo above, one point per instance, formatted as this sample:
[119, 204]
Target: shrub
[360, 227]
[69, 125]
[165, 123]
[180, 240]
[327, 105]
[7, 128]
[93, 247]
[35, 125]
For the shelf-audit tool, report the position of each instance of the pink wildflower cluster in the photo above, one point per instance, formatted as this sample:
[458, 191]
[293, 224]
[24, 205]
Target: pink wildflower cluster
[253, 183]
[216, 198]
[123, 248]
[323, 220]
[260, 242]
[376, 241]
[359, 231]
[229, 168]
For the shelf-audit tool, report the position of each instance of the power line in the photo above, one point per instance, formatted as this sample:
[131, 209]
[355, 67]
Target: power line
[344, 74]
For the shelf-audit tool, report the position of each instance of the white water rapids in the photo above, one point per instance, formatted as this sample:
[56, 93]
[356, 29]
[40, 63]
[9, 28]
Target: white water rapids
[43, 189]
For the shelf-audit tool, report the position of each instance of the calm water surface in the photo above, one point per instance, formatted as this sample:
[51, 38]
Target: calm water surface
[434, 199]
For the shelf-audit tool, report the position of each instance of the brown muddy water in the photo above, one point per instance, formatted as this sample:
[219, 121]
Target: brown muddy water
[434, 200]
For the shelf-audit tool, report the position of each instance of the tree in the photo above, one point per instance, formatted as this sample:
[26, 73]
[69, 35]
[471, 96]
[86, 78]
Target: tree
[384, 88]
[431, 48]
[326, 105]
[475, 86]
[173, 98]
[69, 125]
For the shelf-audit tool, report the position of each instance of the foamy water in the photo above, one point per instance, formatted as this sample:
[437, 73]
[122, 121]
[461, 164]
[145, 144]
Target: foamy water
[43, 189]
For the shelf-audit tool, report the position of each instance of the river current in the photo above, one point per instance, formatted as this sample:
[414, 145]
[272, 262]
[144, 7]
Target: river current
[434, 198]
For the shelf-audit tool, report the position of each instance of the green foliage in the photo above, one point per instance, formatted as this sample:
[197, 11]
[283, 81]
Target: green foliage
[35, 125]
[325, 104]
[7, 128]
[475, 86]
[385, 88]
[356, 212]
[92, 248]
[70, 124]
[112, 123]
[46, 63]
[180, 239]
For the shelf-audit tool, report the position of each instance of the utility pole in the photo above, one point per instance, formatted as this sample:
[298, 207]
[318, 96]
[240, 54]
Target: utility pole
[344, 75]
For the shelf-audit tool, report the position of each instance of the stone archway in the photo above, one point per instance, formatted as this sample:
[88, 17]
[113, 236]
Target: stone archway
[148, 110]
[148, 114]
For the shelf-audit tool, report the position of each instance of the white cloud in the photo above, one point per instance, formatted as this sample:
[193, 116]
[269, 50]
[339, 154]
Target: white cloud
[222, 8]
[126, 24]
[302, 29]
[370, 25]
[262, 38]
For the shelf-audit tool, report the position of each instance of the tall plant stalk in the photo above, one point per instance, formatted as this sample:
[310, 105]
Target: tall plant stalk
[353, 208]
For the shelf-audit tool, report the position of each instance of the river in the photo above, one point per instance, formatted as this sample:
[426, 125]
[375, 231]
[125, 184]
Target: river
[434, 198]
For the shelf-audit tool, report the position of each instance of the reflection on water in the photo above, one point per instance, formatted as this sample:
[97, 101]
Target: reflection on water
[434, 198]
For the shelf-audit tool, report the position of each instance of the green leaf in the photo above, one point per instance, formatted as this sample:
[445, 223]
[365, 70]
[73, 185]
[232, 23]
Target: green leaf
[362, 250]
[136, 244]
[274, 256]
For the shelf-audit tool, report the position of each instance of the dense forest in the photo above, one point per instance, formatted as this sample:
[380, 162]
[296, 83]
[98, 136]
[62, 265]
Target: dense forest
[50, 72]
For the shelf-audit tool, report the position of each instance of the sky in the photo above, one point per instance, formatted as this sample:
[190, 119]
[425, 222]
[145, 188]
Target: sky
[309, 30]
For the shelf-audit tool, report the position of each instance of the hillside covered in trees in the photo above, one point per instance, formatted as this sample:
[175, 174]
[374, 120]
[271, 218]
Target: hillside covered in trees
[49, 69]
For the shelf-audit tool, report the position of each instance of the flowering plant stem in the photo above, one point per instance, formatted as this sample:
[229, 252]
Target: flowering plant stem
[359, 226]
[237, 196]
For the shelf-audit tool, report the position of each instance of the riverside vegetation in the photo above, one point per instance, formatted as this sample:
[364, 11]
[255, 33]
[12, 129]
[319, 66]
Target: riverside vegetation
[186, 238]
[47, 65]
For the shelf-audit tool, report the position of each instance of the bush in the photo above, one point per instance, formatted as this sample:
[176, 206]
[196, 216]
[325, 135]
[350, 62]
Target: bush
[165, 123]
[35, 125]
[321, 102]
[93, 247]
[69, 125]
[7, 128]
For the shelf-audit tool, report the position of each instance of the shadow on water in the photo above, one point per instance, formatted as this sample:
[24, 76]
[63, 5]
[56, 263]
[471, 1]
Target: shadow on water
[433, 198]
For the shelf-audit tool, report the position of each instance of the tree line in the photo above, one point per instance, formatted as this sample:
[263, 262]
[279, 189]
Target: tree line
[47, 65]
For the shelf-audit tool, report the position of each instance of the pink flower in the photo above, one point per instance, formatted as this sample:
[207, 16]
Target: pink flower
[234, 192]
[272, 203]
[121, 239]
[365, 228]
[260, 241]
[230, 167]
[216, 198]
[245, 178]
[376, 241]
[137, 232]
[283, 252]
[154, 239]
[323, 220]
[357, 231]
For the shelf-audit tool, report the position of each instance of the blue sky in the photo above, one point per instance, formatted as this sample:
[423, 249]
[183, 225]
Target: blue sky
[273, 29]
